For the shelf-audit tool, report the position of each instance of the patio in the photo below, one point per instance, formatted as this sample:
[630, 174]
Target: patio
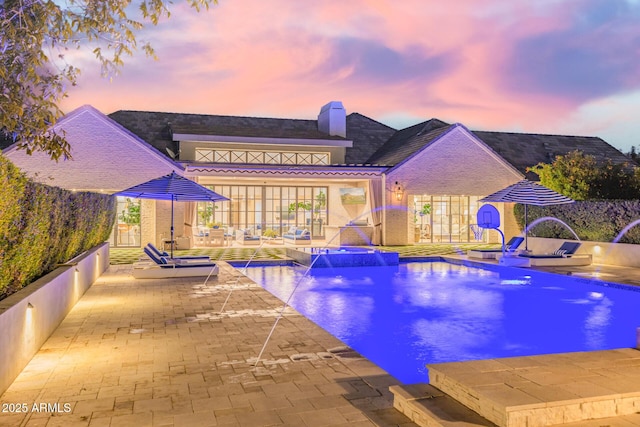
[159, 353]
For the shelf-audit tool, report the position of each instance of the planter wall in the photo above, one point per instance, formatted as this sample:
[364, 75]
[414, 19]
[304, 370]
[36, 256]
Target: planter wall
[29, 316]
[620, 254]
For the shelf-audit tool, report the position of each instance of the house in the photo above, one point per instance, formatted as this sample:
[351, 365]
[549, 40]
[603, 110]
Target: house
[345, 178]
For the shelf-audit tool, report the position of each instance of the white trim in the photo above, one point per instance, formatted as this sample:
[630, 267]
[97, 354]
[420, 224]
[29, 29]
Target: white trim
[186, 137]
[284, 171]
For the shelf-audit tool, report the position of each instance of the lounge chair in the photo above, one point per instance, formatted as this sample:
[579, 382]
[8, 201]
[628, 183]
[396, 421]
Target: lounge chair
[565, 255]
[163, 267]
[160, 253]
[510, 246]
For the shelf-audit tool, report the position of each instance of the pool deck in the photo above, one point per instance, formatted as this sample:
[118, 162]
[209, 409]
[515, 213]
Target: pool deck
[601, 272]
[160, 353]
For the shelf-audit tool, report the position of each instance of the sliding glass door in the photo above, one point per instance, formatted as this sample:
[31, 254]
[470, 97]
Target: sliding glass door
[444, 218]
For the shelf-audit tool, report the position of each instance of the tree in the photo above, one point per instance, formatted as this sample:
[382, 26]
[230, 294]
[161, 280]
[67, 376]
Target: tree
[34, 74]
[571, 174]
[633, 154]
[580, 177]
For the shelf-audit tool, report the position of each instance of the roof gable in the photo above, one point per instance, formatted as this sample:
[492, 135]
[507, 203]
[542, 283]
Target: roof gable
[453, 162]
[104, 155]
[406, 142]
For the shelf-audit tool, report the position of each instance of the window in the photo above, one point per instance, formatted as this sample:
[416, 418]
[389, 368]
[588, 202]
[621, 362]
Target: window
[444, 218]
[126, 231]
[262, 157]
[268, 207]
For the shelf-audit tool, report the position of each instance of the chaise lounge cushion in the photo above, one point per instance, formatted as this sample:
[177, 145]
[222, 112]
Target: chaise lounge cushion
[160, 253]
[566, 250]
[297, 234]
[246, 237]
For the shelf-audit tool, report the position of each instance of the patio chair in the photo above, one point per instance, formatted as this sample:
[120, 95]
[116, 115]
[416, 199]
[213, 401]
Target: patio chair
[511, 246]
[163, 267]
[565, 255]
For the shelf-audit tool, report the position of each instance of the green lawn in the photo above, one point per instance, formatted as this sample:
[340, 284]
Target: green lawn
[129, 256]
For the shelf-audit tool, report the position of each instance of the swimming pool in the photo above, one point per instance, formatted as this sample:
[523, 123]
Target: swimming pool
[406, 316]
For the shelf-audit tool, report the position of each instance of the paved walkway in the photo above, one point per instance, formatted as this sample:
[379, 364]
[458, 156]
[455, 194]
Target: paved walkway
[160, 353]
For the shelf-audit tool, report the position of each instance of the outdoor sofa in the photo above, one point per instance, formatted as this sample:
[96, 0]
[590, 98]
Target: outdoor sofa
[297, 236]
[246, 237]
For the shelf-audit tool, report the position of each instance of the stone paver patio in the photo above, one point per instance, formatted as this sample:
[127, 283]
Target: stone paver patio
[160, 353]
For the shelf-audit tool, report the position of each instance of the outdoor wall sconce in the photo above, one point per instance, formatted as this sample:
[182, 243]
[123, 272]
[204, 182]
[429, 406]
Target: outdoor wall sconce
[398, 191]
[29, 305]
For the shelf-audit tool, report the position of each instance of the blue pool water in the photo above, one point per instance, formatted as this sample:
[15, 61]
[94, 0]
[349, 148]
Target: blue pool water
[406, 316]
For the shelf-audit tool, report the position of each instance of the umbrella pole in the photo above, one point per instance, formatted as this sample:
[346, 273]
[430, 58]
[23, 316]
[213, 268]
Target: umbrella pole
[171, 243]
[526, 246]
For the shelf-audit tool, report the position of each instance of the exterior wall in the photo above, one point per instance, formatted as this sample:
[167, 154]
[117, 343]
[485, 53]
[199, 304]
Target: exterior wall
[456, 164]
[105, 156]
[148, 221]
[397, 228]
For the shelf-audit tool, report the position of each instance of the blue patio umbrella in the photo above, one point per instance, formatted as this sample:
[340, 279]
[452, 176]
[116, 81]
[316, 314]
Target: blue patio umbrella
[528, 193]
[172, 187]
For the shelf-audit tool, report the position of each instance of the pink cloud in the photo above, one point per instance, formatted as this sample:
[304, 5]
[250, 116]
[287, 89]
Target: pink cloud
[470, 63]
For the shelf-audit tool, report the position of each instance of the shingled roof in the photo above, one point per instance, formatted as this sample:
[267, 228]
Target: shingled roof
[522, 150]
[367, 135]
[404, 143]
[157, 128]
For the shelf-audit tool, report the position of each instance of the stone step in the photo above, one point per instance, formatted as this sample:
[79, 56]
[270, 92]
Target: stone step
[545, 390]
[621, 421]
[427, 406]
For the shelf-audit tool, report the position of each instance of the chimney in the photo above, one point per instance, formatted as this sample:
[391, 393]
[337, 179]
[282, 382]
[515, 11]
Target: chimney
[332, 119]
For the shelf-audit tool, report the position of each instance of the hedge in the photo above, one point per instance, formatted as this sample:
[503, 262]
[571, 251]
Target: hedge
[43, 226]
[600, 221]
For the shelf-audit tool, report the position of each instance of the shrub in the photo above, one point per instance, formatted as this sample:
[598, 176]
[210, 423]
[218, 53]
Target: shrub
[43, 226]
[601, 220]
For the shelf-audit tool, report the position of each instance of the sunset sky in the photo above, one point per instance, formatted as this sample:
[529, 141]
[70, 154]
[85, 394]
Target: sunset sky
[540, 66]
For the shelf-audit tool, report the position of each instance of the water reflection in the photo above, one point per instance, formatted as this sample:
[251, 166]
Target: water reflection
[405, 316]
